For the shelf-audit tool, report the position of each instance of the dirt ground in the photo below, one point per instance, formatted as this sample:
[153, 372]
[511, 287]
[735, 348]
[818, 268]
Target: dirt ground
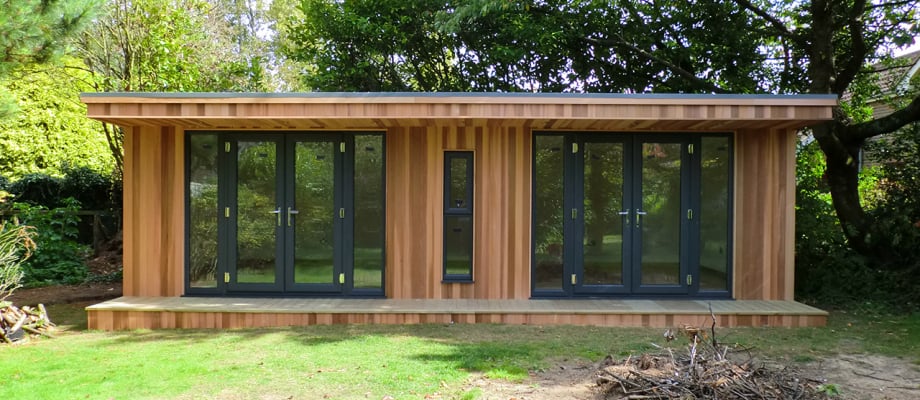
[61, 294]
[858, 377]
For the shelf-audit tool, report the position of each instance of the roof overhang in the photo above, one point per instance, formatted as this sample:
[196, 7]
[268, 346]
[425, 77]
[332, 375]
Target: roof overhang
[557, 111]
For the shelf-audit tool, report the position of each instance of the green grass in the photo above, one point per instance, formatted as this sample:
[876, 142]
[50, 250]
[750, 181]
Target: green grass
[371, 361]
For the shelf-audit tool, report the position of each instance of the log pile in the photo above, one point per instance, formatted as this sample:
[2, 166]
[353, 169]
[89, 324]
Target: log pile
[17, 324]
[704, 369]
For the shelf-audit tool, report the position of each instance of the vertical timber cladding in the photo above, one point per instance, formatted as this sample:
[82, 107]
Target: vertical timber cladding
[765, 214]
[154, 222]
[501, 239]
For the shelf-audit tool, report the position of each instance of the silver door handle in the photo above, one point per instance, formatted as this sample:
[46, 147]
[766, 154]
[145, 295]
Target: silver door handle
[289, 212]
[626, 214]
[277, 213]
[639, 215]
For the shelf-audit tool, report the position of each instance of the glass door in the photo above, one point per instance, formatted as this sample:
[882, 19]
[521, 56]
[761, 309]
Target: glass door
[312, 220]
[659, 208]
[613, 214]
[285, 228]
[255, 214]
[603, 226]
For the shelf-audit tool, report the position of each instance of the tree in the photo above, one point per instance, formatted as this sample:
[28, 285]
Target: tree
[372, 45]
[172, 46]
[35, 31]
[50, 133]
[707, 46]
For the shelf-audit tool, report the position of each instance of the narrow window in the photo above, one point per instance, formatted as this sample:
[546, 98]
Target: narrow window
[715, 213]
[202, 211]
[458, 216]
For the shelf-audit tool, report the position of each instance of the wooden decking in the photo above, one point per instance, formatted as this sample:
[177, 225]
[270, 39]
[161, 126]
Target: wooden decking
[212, 312]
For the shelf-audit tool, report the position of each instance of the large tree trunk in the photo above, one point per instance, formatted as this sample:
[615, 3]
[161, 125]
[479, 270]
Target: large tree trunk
[842, 174]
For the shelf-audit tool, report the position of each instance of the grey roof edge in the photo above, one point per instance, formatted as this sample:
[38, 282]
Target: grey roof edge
[358, 95]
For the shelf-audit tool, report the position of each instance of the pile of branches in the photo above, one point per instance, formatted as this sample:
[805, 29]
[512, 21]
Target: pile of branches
[19, 323]
[705, 369]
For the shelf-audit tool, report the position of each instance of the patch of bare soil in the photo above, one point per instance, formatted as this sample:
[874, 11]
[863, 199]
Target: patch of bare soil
[105, 263]
[865, 376]
[857, 377]
[62, 294]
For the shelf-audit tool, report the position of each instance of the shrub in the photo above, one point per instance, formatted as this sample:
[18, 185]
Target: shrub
[16, 246]
[57, 258]
[92, 189]
[37, 189]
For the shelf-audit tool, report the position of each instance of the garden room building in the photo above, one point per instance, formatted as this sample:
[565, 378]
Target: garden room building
[595, 209]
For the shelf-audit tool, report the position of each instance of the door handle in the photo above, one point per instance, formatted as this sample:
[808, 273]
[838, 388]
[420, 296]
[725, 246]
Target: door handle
[277, 213]
[639, 215]
[625, 214]
[291, 211]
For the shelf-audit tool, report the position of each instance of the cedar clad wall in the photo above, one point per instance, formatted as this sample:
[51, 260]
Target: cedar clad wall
[501, 253]
[764, 214]
[154, 221]
[498, 130]
[154, 211]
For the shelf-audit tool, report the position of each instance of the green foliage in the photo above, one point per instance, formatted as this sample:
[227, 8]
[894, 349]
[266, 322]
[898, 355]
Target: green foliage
[50, 132]
[828, 271]
[16, 247]
[35, 32]
[373, 45]
[91, 189]
[57, 257]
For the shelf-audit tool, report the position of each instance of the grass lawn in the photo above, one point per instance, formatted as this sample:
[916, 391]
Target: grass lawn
[369, 361]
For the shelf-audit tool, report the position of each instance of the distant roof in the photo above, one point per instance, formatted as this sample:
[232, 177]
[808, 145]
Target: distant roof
[895, 78]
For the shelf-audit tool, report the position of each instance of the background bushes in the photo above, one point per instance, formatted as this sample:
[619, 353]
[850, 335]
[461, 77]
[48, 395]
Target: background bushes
[92, 189]
[51, 205]
[828, 272]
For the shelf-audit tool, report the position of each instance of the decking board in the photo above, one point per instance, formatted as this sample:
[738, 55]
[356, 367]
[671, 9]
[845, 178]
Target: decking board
[215, 312]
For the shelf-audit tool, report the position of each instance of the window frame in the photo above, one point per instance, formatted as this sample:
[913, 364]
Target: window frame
[451, 211]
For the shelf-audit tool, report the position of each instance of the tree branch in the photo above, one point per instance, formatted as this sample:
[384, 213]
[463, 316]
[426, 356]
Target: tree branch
[773, 21]
[689, 76]
[891, 4]
[887, 124]
[858, 48]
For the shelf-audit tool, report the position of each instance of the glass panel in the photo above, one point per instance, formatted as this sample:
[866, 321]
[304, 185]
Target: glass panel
[458, 183]
[255, 225]
[369, 212]
[660, 226]
[548, 212]
[203, 211]
[714, 213]
[314, 198]
[458, 245]
[603, 235]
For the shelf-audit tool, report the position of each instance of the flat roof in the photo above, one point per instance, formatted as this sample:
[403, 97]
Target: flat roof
[378, 110]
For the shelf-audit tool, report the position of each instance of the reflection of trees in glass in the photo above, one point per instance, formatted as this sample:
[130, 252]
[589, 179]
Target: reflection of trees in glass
[548, 211]
[714, 213]
[203, 210]
[369, 212]
[661, 195]
[256, 186]
[603, 192]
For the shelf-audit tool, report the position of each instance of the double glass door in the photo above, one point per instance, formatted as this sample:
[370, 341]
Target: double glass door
[614, 214]
[301, 213]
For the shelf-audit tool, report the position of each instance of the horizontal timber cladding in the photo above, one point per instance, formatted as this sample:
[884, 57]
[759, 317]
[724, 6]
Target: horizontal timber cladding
[154, 223]
[129, 320]
[501, 249]
[764, 214]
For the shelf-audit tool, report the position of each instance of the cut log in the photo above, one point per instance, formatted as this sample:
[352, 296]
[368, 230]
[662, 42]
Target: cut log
[15, 322]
